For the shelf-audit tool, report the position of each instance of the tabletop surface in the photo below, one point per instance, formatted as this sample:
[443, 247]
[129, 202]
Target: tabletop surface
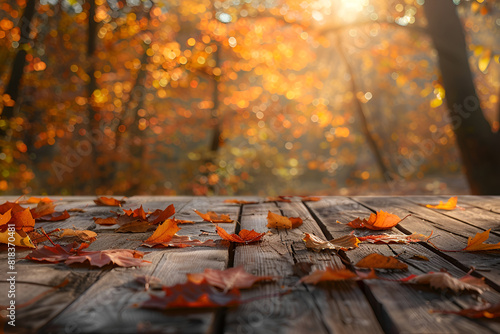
[62, 298]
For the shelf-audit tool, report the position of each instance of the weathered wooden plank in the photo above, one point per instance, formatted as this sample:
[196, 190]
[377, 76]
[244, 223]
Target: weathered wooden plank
[404, 308]
[340, 309]
[107, 307]
[450, 234]
[488, 203]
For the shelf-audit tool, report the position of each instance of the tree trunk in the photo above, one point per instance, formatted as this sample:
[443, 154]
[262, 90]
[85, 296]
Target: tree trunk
[13, 87]
[478, 145]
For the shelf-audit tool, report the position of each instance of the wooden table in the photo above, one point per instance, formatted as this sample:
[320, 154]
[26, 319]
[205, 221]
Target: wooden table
[102, 301]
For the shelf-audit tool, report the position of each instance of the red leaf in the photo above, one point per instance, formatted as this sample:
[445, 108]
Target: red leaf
[15, 207]
[120, 257]
[55, 253]
[227, 279]
[244, 237]
[192, 295]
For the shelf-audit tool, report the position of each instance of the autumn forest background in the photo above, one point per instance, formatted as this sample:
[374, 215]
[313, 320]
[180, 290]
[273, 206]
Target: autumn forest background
[268, 97]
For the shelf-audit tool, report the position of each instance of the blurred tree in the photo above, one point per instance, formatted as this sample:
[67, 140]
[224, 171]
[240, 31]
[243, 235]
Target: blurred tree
[479, 145]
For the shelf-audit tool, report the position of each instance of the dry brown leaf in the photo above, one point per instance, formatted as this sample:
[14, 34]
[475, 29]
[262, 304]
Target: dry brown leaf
[345, 243]
[231, 278]
[443, 280]
[105, 221]
[488, 311]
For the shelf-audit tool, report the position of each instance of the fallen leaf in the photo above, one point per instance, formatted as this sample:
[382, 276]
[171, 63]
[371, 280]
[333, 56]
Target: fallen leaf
[159, 216]
[245, 236]
[394, 238]
[105, 221]
[278, 199]
[419, 257]
[329, 274]
[181, 221]
[228, 279]
[211, 216]
[477, 243]
[55, 253]
[21, 239]
[345, 243]
[380, 261]
[239, 201]
[83, 235]
[13, 206]
[119, 257]
[55, 216]
[310, 198]
[43, 209]
[36, 200]
[76, 210]
[108, 201]
[488, 311]
[377, 221]
[449, 205]
[136, 226]
[443, 280]
[23, 220]
[163, 233]
[192, 295]
[181, 241]
[137, 213]
[277, 221]
[5, 218]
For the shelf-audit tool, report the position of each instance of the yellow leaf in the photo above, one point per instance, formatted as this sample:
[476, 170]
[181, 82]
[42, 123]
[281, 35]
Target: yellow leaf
[18, 238]
[477, 243]
[484, 61]
[450, 205]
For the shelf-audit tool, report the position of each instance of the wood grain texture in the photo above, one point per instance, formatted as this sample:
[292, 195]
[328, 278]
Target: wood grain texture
[405, 308]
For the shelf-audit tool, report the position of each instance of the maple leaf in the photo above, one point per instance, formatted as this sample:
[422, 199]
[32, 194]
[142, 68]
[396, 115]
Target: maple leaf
[449, 205]
[181, 241]
[481, 311]
[377, 221]
[192, 295]
[329, 274]
[277, 221]
[394, 238]
[163, 233]
[55, 253]
[160, 216]
[443, 280]
[317, 244]
[55, 216]
[477, 243]
[43, 209]
[108, 201]
[244, 237]
[105, 221]
[211, 216]
[239, 201]
[21, 239]
[23, 220]
[380, 261]
[120, 257]
[227, 279]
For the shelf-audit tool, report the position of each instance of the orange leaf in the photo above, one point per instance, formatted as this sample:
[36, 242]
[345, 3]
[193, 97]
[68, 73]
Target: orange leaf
[105, 221]
[450, 205]
[278, 199]
[136, 226]
[15, 207]
[277, 221]
[317, 244]
[43, 209]
[23, 220]
[227, 279]
[163, 233]
[84, 235]
[477, 243]
[119, 257]
[159, 216]
[482, 311]
[380, 261]
[310, 198]
[245, 236]
[137, 213]
[108, 201]
[192, 295]
[329, 274]
[36, 200]
[238, 201]
[211, 216]
[377, 221]
[5, 218]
